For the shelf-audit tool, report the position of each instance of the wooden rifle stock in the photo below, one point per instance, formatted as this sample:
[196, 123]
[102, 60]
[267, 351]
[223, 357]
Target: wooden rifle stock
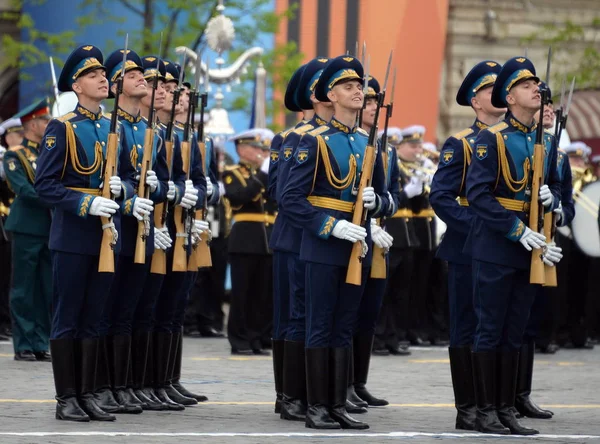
[202, 251]
[354, 274]
[378, 265]
[181, 235]
[550, 272]
[107, 254]
[537, 273]
[143, 225]
[159, 257]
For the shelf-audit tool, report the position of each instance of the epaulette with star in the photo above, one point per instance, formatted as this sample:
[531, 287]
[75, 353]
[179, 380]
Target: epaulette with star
[304, 129]
[464, 133]
[66, 117]
[319, 130]
[362, 131]
[498, 127]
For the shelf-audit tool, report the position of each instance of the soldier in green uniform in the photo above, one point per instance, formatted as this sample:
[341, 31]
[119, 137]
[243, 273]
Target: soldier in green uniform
[29, 224]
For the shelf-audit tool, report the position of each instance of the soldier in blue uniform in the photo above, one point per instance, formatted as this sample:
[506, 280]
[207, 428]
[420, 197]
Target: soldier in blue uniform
[68, 177]
[319, 196]
[289, 322]
[498, 191]
[129, 277]
[29, 223]
[450, 204]
[372, 298]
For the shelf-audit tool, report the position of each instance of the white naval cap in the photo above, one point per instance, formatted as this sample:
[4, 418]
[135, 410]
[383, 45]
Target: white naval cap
[595, 158]
[578, 149]
[394, 135]
[258, 137]
[428, 146]
[9, 125]
[413, 133]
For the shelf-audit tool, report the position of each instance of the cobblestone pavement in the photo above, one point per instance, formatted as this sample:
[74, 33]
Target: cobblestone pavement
[241, 397]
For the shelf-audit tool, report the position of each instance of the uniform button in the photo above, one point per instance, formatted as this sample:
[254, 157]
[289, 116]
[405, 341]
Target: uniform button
[326, 137]
[352, 138]
[103, 143]
[134, 128]
[505, 137]
[529, 138]
[472, 141]
[74, 126]
[357, 156]
[97, 125]
[139, 146]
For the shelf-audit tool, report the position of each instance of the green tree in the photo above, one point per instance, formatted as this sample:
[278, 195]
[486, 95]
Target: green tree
[574, 46]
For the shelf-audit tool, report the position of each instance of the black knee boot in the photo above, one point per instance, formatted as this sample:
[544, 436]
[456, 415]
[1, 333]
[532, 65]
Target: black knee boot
[149, 378]
[461, 370]
[507, 383]
[354, 404]
[484, 373]
[103, 395]
[176, 379]
[278, 369]
[121, 354]
[362, 359]
[65, 381]
[293, 403]
[339, 362]
[162, 350]
[139, 354]
[523, 401]
[175, 373]
[317, 389]
[87, 380]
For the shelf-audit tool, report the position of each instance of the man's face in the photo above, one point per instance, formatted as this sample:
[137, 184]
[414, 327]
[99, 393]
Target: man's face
[93, 85]
[348, 95]
[170, 87]
[184, 98]
[38, 126]
[13, 138]
[368, 114]
[251, 154]
[577, 162]
[409, 151]
[525, 95]
[483, 102]
[134, 85]
[159, 96]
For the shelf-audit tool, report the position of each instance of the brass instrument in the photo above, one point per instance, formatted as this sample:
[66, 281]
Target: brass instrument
[581, 178]
[586, 195]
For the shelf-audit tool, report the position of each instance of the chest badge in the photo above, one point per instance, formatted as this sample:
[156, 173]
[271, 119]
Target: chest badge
[287, 153]
[447, 156]
[302, 155]
[481, 151]
[50, 142]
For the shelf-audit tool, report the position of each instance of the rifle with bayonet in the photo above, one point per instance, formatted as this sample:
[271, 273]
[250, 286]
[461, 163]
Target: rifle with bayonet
[537, 218]
[202, 251]
[378, 267]
[143, 230]
[359, 216]
[110, 235]
[181, 231]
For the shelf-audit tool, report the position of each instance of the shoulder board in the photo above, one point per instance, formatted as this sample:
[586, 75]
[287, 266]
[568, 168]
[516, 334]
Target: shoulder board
[362, 131]
[319, 130]
[304, 129]
[498, 127]
[231, 167]
[462, 134]
[16, 148]
[178, 126]
[66, 117]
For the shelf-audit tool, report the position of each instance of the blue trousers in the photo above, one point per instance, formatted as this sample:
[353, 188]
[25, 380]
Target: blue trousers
[168, 298]
[463, 321]
[331, 306]
[125, 292]
[182, 300]
[79, 295]
[296, 269]
[536, 316]
[143, 318]
[370, 306]
[503, 298]
[281, 294]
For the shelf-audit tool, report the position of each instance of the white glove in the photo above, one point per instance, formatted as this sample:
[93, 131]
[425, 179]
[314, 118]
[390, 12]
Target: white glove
[159, 242]
[172, 191]
[380, 237]
[546, 195]
[200, 225]
[103, 207]
[151, 180]
[190, 196]
[348, 231]
[166, 237]
[552, 255]
[530, 239]
[414, 187]
[265, 165]
[115, 186]
[369, 198]
[142, 207]
[560, 215]
[209, 188]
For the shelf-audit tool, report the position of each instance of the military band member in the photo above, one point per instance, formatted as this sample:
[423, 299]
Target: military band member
[450, 204]
[69, 177]
[370, 305]
[397, 313]
[245, 186]
[501, 242]
[319, 196]
[29, 223]
[289, 316]
[12, 132]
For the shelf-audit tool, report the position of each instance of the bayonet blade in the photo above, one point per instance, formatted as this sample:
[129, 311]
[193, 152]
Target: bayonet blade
[570, 98]
[393, 86]
[125, 55]
[159, 51]
[562, 94]
[363, 56]
[181, 72]
[206, 77]
[526, 52]
[356, 54]
[198, 73]
[387, 70]
[366, 81]
[548, 67]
